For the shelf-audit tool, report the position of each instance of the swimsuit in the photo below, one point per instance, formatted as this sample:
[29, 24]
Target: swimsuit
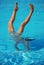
[16, 36]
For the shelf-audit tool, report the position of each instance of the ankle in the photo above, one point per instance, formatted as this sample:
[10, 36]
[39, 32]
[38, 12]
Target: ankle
[31, 12]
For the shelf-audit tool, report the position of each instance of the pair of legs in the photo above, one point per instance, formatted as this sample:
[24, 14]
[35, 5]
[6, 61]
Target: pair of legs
[10, 23]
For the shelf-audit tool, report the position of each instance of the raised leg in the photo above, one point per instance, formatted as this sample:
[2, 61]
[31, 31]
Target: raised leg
[10, 23]
[26, 20]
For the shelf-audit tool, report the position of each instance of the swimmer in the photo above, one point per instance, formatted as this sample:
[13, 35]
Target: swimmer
[17, 35]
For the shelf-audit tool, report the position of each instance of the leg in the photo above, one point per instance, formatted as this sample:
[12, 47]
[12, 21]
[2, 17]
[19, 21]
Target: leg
[16, 46]
[26, 44]
[27, 20]
[10, 26]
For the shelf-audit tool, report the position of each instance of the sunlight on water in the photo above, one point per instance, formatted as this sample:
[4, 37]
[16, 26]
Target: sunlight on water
[9, 55]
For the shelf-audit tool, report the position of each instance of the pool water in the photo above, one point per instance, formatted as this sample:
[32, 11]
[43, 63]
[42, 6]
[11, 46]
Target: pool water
[34, 29]
[10, 56]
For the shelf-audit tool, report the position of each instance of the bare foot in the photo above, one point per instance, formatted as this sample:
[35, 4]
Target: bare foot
[31, 7]
[16, 7]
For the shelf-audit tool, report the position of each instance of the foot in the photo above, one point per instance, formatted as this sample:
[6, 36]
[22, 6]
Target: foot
[31, 8]
[16, 7]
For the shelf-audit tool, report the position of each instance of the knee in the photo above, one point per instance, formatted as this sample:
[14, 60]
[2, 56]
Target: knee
[23, 24]
[10, 27]
[9, 23]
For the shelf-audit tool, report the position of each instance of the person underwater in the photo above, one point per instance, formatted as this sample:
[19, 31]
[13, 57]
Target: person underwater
[17, 35]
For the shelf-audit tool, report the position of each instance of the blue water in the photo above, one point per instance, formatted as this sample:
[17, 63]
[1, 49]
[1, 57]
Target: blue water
[34, 29]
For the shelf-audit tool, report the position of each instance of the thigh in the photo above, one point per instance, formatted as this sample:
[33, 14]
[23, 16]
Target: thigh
[10, 27]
